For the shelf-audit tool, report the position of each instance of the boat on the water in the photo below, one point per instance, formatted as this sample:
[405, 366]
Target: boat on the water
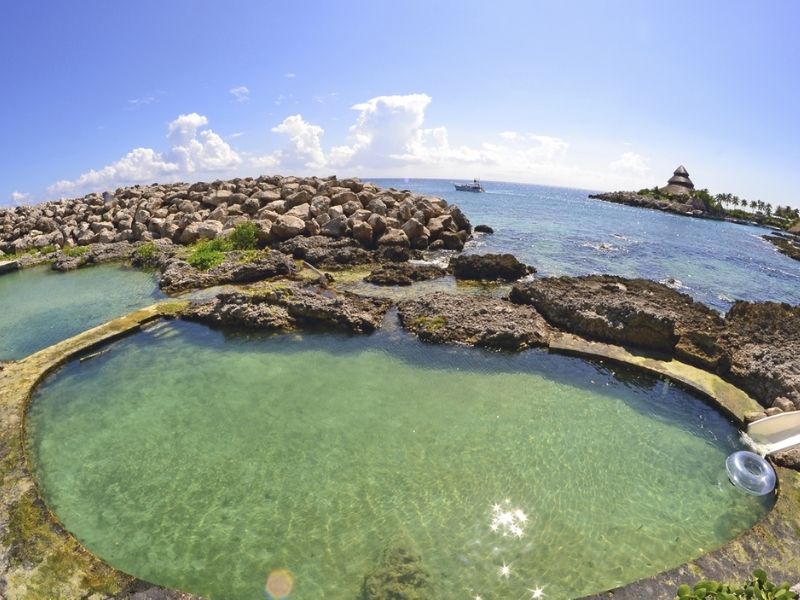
[475, 186]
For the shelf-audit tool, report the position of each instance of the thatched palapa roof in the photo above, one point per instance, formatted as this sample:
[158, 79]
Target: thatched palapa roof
[679, 183]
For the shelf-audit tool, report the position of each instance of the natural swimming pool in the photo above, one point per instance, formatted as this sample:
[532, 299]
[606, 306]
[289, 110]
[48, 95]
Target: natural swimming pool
[203, 460]
[42, 306]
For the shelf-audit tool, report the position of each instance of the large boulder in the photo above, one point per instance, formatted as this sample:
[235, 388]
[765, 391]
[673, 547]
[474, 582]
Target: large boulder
[217, 197]
[413, 229]
[363, 233]
[336, 227]
[288, 226]
[394, 237]
[201, 230]
[452, 240]
[489, 267]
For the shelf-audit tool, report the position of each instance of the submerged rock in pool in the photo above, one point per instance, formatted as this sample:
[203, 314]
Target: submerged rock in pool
[401, 575]
[290, 305]
[474, 320]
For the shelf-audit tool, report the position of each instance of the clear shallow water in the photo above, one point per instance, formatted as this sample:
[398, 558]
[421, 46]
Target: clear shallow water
[562, 232]
[204, 461]
[42, 306]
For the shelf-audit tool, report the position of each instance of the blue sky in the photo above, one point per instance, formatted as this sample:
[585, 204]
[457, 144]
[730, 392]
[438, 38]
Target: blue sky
[604, 95]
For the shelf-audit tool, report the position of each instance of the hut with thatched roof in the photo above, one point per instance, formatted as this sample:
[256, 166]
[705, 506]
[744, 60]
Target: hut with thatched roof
[679, 184]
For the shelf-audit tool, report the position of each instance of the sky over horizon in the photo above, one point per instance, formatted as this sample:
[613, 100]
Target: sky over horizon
[598, 96]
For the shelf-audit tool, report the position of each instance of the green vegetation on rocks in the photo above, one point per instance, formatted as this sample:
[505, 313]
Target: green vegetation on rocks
[209, 254]
[146, 253]
[244, 236]
[74, 251]
[430, 324]
[757, 588]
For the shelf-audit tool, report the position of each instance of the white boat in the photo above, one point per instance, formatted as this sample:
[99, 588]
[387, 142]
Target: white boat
[475, 186]
[776, 433]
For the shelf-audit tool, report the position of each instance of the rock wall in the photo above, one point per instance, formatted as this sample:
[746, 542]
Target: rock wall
[282, 207]
[755, 346]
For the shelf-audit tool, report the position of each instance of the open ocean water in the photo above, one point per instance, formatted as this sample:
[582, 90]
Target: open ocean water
[561, 231]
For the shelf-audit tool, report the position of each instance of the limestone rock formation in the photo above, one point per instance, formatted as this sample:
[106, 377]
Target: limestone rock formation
[404, 274]
[762, 345]
[178, 275]
[755, 346]
[633, 312]
[288, 305]
[489, 267]
[474, 320]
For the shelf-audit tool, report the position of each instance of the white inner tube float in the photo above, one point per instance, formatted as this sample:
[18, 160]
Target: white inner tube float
[751, 473]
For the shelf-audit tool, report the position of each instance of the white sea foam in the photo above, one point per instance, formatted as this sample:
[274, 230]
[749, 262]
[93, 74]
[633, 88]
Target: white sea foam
[675, 284]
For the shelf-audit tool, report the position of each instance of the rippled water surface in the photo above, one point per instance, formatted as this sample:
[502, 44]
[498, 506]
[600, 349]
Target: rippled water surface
[562, 232]
[205, 461]
[41, 307]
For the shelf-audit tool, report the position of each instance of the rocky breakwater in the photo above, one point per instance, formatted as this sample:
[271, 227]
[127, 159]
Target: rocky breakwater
[754, 346]
[693, 207]
[289, 305]
[283, 208]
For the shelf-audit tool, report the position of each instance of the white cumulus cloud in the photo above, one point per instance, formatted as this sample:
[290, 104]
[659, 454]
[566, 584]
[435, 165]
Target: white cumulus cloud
[630, 163]
[240, 94]
[19, 197]
[192, 151]
[304, 149]
[390, 136]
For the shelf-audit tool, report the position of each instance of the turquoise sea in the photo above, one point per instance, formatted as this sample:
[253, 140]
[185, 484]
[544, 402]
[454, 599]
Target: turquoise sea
[561, 231]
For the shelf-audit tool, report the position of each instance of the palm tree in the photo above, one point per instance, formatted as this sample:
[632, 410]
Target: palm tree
[753, 205]
[735, 201]
[768, 209]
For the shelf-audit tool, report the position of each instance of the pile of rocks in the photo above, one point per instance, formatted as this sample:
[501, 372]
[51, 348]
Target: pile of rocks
[282, 207]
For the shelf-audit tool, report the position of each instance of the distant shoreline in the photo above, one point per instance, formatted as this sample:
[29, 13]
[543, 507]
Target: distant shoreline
[677, 208]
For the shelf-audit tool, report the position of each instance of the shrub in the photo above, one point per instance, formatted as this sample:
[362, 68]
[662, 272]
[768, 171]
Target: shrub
[758, 588]
[244, 236]
[146, 251]
[207, 255]
[146, 255]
